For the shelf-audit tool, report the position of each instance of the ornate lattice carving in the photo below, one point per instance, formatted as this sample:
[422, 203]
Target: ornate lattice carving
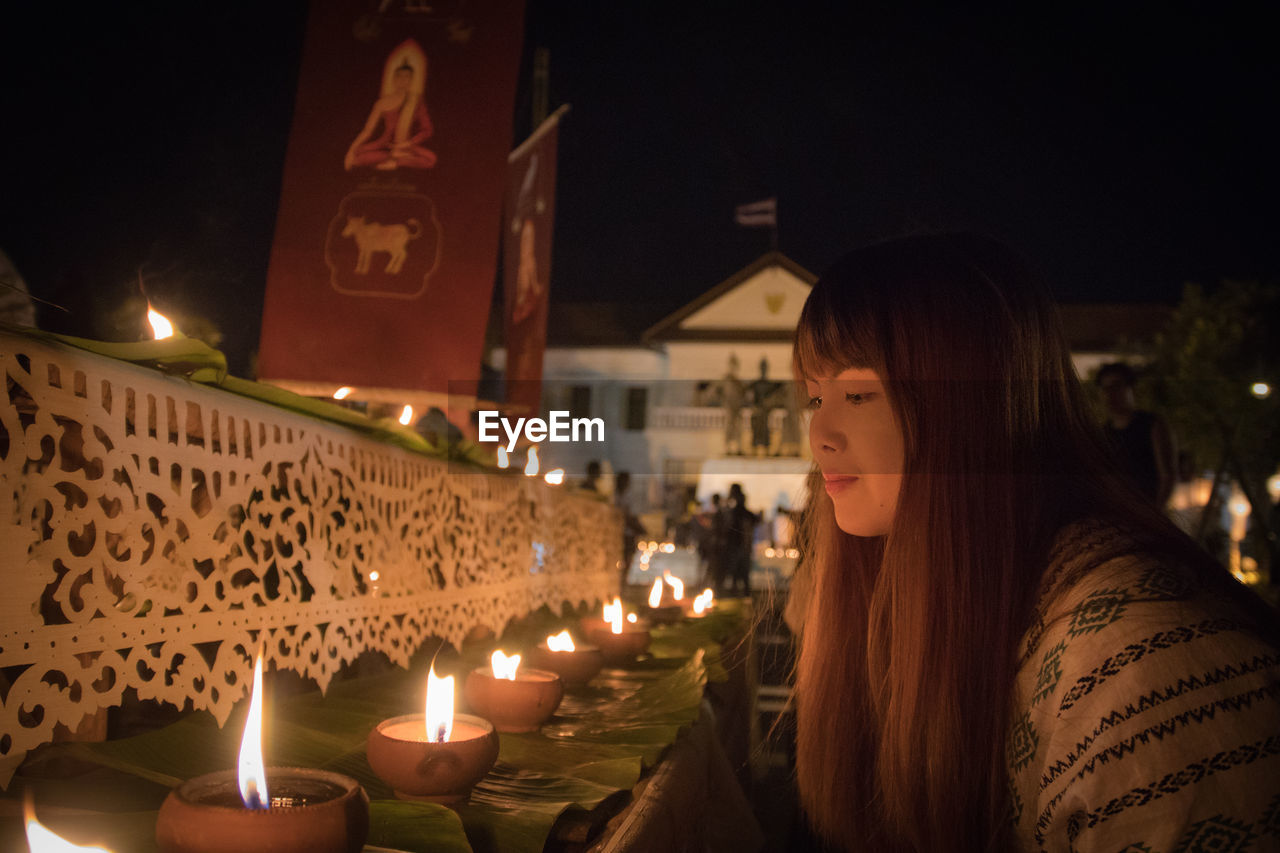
[154, 530]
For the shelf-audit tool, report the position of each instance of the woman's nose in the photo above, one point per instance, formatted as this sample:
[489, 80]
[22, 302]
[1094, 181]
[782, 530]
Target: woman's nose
[824, 435]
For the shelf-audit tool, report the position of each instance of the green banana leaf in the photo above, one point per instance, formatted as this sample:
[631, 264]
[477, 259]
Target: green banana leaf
[588, 757]
[195, 360]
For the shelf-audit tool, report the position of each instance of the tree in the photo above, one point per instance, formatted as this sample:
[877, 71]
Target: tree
[1206, 365]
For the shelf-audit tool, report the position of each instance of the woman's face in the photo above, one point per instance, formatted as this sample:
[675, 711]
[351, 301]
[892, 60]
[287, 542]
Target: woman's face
[858, 444]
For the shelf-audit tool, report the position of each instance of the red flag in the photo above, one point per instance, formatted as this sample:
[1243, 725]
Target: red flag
[529, 216]
[385, 249]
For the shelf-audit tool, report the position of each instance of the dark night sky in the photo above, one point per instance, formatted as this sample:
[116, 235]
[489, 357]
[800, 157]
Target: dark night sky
[1124, 150]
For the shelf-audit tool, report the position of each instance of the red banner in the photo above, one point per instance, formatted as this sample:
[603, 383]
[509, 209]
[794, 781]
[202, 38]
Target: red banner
[530, 215]
[385, 250]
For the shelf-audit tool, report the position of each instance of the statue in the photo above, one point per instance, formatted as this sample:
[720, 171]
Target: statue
[733, 393]
[761, 395]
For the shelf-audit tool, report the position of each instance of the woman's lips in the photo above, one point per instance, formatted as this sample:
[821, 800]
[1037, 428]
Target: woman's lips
[838, 482]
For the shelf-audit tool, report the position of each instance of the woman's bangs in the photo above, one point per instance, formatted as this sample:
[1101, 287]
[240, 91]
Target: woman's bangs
[828, 342]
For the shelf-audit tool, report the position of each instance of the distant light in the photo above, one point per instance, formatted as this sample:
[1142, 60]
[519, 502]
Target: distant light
[1261, 390]
[161, 328]
[373, 575]
[504, 461]
[631, 617]
[531, 466]
[343, 392]
[406, 417]
[1239, 506]
[555, 476]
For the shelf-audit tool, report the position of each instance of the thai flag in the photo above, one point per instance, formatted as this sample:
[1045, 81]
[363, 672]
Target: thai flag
[757, 213]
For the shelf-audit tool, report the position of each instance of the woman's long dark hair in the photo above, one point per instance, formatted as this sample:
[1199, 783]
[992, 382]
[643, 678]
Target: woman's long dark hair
[908, 654]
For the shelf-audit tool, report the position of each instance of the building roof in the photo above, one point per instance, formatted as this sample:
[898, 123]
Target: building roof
[679, 325]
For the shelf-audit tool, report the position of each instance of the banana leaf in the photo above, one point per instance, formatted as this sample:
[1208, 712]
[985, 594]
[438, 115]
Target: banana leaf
[588, 757]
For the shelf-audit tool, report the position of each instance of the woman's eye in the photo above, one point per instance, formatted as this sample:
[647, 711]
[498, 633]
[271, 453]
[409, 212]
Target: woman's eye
[857, 399]
[814, 403]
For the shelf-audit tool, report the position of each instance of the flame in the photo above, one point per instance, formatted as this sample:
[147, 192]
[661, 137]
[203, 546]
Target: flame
[703, 601]
[161, 328]
[343, 392]
[677, 585]
[613, 614]
[561, 642]
[42, 840]
[439, 708]
[504, 461]
[555, 476]
[503, 666]
[253, 773]
[655, 594]
[406, 415]
[531, 467]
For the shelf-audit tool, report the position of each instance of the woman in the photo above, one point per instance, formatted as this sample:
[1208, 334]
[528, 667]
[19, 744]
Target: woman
[1006, 647]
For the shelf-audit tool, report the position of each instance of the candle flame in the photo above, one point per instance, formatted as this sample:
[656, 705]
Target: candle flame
[504, 461]
[531, 467]
[439, 708]
[655, 594]
[343, 392]
[406, 415]
[613, 615]
[561, 642]
[677, 585]
[42, 840]
[161, 328]
[253, 774]
[703, 601]
[503, 666]
[555, 476]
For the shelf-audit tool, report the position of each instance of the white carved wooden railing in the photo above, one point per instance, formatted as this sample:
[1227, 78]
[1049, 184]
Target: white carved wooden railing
[154, 530]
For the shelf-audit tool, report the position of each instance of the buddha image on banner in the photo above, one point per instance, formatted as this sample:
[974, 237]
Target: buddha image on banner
[386, 249]
[399, 117]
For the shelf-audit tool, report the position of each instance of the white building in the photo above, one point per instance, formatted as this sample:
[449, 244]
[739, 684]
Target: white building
[658, 382]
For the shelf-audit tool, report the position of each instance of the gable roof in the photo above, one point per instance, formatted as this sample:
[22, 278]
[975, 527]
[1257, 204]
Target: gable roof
[673, 327]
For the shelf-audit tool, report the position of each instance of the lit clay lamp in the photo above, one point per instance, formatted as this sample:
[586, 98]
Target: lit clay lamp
[437, 756]
[618, 645]
[43, 840]
[576, 665]
[264, 809]
[657, 612]
[513, 699]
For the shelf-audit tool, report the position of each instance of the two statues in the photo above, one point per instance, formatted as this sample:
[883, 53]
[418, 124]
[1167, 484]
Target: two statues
[760, 398]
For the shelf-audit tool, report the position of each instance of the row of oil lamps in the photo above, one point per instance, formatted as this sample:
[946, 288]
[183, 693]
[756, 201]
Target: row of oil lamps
[436, 756]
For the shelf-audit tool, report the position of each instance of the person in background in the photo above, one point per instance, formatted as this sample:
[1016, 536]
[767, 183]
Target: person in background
[739, 536]
[591, 482]
[711, 545]
[632, 529]
[1005, 648]
[1142, 443]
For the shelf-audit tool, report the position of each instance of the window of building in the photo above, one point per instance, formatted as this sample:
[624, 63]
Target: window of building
[637, 400]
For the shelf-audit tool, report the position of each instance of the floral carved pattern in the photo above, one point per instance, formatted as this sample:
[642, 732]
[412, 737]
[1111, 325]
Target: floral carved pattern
[154, 531]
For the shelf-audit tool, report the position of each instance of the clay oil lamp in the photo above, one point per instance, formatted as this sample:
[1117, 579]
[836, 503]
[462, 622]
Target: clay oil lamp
[43, 840]
[575, 664]
[619, 645]
[258, 808]
[657, 612]
[437, 756]
[514, 699]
